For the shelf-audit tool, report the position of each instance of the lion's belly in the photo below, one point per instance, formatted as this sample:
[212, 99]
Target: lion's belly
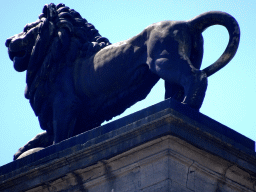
[112, 81]
[109, 71]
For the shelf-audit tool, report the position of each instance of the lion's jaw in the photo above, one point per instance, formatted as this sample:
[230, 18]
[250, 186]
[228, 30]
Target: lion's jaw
[19, 49]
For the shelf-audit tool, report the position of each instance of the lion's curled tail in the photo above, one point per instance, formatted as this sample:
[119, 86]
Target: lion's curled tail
[205, 20]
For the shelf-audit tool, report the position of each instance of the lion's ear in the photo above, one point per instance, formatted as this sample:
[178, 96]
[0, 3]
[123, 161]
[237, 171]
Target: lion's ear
[45, 10]
[49, 11]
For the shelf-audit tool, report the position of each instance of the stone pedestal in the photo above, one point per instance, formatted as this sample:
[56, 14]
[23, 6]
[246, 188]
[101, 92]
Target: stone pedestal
[166, 147]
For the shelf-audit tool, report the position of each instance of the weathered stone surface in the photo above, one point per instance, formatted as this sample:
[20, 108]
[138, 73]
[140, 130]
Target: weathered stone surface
[165, 147]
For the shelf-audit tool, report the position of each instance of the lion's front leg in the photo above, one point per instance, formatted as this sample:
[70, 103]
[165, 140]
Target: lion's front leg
[64, 117]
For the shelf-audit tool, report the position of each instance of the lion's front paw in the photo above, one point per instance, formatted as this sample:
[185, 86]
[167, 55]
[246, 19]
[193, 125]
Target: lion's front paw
[29, 152]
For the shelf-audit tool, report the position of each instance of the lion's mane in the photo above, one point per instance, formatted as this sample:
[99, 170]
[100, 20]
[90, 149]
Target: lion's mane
[63, 36]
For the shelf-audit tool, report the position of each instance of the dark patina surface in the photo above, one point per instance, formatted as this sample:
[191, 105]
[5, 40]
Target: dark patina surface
[76, 79]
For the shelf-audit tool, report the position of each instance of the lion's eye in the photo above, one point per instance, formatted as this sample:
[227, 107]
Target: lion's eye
[26, 28]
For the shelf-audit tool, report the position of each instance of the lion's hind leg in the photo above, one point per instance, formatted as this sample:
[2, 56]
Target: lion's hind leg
[174, 91]
[195, 88]
[183, 82]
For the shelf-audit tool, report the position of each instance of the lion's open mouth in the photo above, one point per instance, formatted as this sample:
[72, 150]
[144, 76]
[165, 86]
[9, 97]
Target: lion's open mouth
[20, 59]
[17, 54]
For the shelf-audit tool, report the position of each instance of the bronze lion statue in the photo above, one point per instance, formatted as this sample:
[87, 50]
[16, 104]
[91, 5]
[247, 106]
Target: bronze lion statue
[76, 79]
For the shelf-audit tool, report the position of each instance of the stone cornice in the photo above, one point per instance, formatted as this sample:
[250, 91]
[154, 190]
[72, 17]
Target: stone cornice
[167, 118]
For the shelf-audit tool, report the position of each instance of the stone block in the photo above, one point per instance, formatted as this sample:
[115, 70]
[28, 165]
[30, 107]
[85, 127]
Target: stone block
[176, 187]
[166, 148]
[163, 186]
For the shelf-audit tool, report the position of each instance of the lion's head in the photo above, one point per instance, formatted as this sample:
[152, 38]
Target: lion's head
[57, 30]
[56, 39]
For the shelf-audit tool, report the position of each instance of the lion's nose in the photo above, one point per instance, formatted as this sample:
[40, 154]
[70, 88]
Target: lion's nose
[8, 41]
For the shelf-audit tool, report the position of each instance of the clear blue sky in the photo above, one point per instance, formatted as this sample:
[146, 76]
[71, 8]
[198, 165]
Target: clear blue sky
[231, 92]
